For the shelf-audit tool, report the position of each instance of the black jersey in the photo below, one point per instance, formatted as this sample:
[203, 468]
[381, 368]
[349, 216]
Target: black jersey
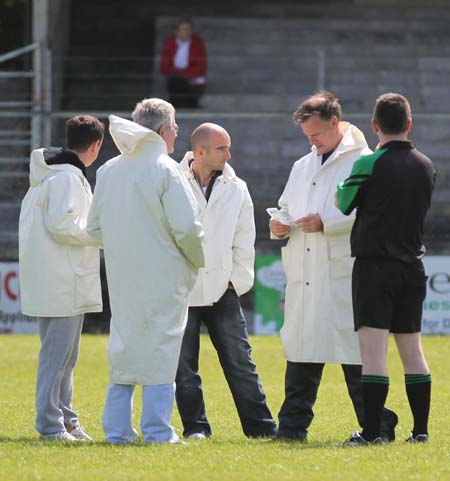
[391, 190]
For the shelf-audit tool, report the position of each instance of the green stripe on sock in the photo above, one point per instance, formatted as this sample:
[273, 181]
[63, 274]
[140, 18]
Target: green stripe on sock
[417, 378]
[375, 379]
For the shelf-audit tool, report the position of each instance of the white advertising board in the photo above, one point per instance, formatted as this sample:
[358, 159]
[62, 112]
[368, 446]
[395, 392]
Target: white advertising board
[436, 308]
[12, 321]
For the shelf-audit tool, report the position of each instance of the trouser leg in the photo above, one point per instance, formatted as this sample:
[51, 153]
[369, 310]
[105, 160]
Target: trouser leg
[179, 91]
[58, 337]
[66, 394]
[117, 414]
[157, 407]
[228, 331]
[189, 392]
[302, 382]
[352, 374]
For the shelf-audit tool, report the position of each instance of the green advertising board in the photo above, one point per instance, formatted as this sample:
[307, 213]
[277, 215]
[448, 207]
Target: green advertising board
[270, 283]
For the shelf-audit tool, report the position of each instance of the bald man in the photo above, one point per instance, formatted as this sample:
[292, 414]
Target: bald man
[227, 216]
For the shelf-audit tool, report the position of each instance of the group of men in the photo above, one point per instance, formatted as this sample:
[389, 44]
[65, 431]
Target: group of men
[178, 243]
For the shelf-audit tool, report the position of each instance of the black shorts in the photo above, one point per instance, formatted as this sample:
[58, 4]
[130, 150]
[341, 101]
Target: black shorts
[388, 294]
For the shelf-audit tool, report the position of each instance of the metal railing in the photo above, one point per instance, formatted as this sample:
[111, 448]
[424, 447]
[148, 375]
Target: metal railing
[38, 102]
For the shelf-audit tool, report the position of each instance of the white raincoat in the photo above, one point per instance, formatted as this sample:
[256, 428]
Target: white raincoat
[318, 324]
[144, 213]
[59, 265]
[229, 225]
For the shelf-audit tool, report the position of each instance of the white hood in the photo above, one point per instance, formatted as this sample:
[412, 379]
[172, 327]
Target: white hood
[39, 169]
[128, 135]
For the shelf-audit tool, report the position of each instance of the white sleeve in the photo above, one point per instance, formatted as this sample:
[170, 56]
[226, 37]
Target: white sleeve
[180, 208]
[242, 275]
[63, 214]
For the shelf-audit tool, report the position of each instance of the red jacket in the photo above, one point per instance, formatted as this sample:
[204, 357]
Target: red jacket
[197, 58]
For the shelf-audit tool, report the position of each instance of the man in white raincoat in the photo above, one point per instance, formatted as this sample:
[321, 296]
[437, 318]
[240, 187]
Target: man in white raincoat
[227, 217]
[59, 269]
[144, 214]
[318, 324]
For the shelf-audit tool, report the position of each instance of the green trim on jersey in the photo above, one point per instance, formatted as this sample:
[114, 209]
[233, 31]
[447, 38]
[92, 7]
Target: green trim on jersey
[348, 189]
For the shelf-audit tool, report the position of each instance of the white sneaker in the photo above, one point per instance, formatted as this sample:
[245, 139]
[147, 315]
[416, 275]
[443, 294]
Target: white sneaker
[197, 436]
[79, 433]
[59, 436]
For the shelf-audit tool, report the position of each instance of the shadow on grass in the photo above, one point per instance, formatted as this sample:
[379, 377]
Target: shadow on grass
[287, 445]
[212, 443]
[36, 442]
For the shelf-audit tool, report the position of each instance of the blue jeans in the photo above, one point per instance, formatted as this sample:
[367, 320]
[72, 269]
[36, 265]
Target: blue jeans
[227, 329]
[157, 404]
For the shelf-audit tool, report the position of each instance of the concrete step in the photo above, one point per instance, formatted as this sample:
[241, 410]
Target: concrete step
[9, 215]
[13, 186]
[14, 164]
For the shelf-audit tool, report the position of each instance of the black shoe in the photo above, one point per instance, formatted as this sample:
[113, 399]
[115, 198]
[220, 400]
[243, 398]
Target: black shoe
[418, 438]
[356, 439]
[388, 423]
[291, 437]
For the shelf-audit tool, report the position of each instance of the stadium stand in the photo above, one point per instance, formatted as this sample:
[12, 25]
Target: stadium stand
[263, 58]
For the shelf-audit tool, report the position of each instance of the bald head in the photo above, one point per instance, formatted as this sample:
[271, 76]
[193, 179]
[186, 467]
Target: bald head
[211, 145]
[201, 136]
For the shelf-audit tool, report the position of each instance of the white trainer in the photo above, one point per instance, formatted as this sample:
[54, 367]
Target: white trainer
[79, 433]
[59, 436]
[197, 436]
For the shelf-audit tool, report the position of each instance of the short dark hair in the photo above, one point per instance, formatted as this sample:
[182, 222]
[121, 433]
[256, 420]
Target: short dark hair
[82, 131]
[324, 104]
[183, 20]
[392, 112]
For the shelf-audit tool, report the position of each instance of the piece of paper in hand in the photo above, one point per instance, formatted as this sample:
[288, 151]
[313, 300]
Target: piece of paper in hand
[280, 215]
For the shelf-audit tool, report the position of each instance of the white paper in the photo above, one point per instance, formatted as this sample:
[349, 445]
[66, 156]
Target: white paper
[281, 216]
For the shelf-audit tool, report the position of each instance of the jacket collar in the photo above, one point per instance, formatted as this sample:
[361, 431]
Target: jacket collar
[39, 169]
[58, 156]
[353, 139]
[398, 144]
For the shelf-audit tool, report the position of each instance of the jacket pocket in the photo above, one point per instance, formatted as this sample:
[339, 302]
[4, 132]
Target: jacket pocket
[88, 292]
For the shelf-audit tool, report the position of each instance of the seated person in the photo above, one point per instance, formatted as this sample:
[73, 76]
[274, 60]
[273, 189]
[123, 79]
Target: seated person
[183, 62]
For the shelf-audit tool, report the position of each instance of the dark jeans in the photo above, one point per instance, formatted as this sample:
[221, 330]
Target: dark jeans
[227, 329]
[301, 385]
[182, 93]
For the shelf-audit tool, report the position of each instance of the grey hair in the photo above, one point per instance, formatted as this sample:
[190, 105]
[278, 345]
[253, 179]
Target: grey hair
[154, 113]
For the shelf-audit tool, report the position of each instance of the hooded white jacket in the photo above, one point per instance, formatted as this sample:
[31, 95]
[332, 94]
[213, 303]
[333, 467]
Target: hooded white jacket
[229, 225]
[58, 261]
[144, 214]
[318, 321]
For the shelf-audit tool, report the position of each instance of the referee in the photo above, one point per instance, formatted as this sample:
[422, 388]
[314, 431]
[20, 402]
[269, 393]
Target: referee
[391, 191]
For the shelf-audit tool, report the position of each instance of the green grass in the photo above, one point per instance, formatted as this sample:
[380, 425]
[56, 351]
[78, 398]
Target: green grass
[228, 455]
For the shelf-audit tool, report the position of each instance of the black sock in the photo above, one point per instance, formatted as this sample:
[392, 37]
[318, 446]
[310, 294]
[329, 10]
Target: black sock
[418, 390]
[375, 391]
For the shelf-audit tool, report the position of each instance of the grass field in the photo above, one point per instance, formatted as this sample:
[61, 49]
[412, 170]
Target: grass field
[228, 455]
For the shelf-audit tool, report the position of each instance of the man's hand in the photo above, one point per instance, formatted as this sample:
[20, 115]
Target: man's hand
[310, 223]
[278, 229]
